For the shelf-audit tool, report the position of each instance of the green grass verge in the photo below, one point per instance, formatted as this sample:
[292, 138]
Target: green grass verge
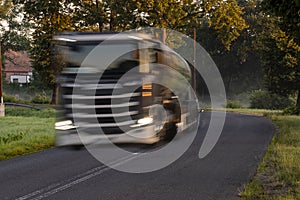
[25, 131]
[259, 112]
[27, 112]
[278, 176]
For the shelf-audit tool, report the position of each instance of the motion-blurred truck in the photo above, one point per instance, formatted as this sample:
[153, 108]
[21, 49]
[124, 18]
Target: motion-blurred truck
[122, 88]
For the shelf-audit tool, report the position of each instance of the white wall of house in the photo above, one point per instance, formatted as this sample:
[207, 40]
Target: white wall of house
[20, 78]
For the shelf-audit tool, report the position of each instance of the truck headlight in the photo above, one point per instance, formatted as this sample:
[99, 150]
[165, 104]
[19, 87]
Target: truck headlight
[64, 125]
[143, 122]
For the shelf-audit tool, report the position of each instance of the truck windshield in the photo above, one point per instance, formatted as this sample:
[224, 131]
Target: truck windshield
[104, 56]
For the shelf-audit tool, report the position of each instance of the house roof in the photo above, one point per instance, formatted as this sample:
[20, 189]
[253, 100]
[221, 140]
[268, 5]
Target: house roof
[17, 62]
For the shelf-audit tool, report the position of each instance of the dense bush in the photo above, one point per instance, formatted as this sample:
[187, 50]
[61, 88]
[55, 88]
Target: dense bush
[9, 98]
[262, 99]
[12, 99]
[233, 104]
[41, 99]
[16, 93]
[292, 110]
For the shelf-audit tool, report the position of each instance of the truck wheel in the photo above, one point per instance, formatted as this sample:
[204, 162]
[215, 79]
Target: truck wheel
[165, 121]
[170, 131]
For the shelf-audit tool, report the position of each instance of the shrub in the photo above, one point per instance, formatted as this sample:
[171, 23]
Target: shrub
[262, 99]
[233, 104]
[292, 110]
[10, 98]
[41, 99]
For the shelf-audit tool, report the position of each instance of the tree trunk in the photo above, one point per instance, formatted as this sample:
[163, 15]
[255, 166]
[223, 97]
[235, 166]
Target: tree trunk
[111, 26]
[298, 99]
[55, 95]
[98, 17]
[228, 88]
[1, 98]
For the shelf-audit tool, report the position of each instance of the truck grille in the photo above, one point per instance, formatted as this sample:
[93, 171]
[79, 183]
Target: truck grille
[91, 101]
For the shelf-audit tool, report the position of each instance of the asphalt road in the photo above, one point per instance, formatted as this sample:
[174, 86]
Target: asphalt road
[61, 173]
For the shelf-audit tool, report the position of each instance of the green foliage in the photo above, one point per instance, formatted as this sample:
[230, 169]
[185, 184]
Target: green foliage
[10, 98]
[15, 35]
[28, 112]
[172, 14]
[279, 62]
[227, 21]
[23, 135]
[258, 112]
[279, 173]
[289, 13]
[25, 131]
[262, 99]
[41, 98]
[224, 18]
[11, 138]
[292, 110]
[88, 15]
[254, 190]
[4, 8]
[286, 37]
[123, 15]
[49, 18]
[233, 104]
[52, 17]
[239, 66]
[16, 93]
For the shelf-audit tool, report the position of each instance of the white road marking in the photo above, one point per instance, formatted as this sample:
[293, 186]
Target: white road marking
[63, 185]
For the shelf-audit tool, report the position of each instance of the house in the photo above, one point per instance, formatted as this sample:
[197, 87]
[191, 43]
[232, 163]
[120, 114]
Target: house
[18, 68]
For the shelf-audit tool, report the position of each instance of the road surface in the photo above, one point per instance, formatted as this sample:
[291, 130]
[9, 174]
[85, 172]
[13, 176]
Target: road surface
[61, 173]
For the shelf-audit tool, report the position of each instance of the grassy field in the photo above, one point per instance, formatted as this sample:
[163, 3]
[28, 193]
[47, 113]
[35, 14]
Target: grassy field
[25, 131]
[278, 176]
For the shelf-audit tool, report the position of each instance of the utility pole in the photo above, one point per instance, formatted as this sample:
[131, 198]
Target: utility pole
[164, 35]
[2, 106]
[195, 62]
[161, 35]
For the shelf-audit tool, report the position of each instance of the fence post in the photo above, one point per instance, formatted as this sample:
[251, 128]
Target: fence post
[2, 106]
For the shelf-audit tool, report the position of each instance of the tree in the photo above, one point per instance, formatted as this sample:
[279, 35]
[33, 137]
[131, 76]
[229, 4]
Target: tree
[16, 32]
[172, 14]
[285, 40]
[288, 11]
[87, 14]
[49, 17]
[121, 15]
[226, 19]
[4, 8]
[232, 48]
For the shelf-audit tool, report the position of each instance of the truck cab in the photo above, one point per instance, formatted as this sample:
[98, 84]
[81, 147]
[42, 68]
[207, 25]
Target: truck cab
[120, 88]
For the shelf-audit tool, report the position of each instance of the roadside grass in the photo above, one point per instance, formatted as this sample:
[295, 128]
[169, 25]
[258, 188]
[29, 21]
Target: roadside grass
[259, 112]
[278, 176]
[24, 131]
[28, 112]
